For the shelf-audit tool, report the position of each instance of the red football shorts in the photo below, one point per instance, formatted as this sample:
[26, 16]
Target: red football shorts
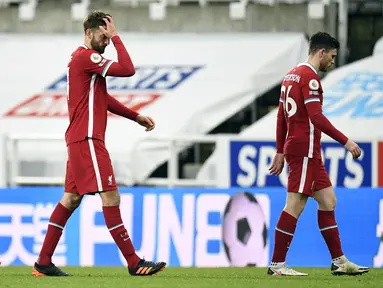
[306, 175]
[89, 168]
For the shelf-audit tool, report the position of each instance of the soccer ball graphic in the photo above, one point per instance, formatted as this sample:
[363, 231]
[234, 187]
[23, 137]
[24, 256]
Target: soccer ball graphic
[244, 230]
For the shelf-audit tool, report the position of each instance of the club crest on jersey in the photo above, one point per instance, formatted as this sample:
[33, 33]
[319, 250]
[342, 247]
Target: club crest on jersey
[314, 84]
[95, 58]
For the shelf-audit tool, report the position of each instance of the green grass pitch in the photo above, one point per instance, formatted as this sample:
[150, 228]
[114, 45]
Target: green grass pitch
[113, 277]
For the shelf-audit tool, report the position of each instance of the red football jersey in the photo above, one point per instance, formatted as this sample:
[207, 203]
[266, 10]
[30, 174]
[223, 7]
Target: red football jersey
[299, 87]
[87, 95]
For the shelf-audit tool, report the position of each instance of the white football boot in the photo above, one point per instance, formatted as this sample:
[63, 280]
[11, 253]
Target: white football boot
[343, 266]
[281, 269]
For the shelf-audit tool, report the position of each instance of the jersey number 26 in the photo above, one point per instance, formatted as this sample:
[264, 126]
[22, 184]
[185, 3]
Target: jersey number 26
[287, 100]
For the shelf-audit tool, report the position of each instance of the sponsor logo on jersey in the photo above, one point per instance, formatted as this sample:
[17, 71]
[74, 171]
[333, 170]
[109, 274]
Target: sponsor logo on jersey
[148, 85]
[102, 62]
[315, 92]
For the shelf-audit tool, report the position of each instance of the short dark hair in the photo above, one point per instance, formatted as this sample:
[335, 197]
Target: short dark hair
[322, 40]
[94, 20]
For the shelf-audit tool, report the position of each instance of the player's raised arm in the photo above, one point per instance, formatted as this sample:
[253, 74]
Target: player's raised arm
[124, 67]
[98, 32]
[116, 107]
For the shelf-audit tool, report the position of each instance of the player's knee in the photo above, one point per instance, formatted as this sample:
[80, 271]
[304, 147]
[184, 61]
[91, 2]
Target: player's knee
[71, 201]
[328, 204]
[295, 204]
[295, 208]
[332, 203]
[299, 207]
[110, 198]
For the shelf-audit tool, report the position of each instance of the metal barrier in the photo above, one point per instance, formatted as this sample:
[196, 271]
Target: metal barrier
[172, 180]
[12, 157]
[13, 144]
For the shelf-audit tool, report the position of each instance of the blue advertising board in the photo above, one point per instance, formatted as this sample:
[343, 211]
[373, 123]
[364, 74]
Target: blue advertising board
[189, 227]
[357, 95]
[250, 162]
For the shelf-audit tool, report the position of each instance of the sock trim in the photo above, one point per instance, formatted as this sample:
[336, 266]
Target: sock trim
[115, 227]
[273, 264]
[284, 232]
[56, 225]
[339, 260]
[328, 228]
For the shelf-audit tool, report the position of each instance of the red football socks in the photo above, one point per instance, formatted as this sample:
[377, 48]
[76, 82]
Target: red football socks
[56, 225]
[330, 232]
[283, 236]
[120, 235]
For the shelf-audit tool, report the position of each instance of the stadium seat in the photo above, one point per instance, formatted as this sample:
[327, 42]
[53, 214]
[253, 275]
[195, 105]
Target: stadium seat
[27, 10]
[79, 10]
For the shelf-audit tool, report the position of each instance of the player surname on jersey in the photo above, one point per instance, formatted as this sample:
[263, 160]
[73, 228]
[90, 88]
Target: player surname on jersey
[292, 77]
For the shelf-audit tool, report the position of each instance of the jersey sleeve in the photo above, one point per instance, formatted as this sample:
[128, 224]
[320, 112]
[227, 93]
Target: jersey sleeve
[124, 67]
[311, 88]
[281, 131]
[93, 62]
[116, 107]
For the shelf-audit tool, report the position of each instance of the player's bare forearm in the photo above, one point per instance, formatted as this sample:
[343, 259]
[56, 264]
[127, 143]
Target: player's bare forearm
[281, 129]
[124, 67]
[322, 123]
[116, 107]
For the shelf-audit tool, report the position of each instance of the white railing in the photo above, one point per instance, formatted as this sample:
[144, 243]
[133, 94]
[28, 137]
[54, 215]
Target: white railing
[12, 157]
[174, 148]
[10, 147]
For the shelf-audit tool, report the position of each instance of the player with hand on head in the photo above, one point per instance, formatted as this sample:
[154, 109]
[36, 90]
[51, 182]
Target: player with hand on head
[300, 118]
[89, 169]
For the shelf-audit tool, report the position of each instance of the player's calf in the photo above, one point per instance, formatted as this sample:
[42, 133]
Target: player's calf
[285, 228]
[112, 215]
[113, 220]
[56, 225]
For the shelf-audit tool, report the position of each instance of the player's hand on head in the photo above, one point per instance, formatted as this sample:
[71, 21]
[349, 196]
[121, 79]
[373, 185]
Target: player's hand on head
[110, 30]
[353, 148]
[277, 164]
[146, 121]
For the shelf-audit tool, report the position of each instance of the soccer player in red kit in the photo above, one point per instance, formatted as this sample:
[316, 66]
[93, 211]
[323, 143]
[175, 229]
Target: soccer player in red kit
[89, 169]
[300, 118]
